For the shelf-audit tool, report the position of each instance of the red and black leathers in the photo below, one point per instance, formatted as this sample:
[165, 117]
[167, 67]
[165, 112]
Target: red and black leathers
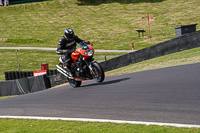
[66, 47]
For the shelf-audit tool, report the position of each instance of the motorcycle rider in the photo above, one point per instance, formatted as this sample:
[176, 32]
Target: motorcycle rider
[67, 45]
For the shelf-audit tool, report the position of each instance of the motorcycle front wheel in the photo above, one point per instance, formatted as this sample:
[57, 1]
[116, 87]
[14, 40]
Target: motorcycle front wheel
[98, 74]
[74, 83]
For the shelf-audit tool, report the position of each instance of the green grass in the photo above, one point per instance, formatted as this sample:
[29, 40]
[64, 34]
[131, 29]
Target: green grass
[59, 126]
[109, 24]
[20, 41]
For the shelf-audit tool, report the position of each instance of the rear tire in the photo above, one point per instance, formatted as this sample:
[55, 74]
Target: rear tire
[74, 83]
[99, 75]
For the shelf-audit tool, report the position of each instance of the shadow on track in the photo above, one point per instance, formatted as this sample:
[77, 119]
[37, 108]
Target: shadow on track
[106, 82]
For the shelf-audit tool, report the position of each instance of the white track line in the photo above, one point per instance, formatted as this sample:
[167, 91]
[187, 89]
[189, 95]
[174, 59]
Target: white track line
[103, 120]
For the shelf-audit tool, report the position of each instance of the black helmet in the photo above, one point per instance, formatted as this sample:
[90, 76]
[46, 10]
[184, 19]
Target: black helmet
[69, 34]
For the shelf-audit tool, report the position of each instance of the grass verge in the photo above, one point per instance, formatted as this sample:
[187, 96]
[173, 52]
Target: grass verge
[59, 126]
[109, 24]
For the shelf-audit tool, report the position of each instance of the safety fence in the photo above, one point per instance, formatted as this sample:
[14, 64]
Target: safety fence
[184, 42]
[12, 75]
[12, 2]
[24, 85]
[31, 84]
[20, 83]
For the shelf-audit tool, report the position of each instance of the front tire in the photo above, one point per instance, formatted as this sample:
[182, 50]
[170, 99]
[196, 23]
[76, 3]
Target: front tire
[74, 83]
[98, 75]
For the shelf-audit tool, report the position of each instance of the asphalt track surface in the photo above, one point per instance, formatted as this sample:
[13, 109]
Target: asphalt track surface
[168, 95]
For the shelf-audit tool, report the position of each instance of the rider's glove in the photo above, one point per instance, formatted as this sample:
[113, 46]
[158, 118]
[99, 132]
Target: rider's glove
[87, 42]
[68, 51]
[72, 50]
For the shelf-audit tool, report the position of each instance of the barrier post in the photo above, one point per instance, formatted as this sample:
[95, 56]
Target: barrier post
[148, 24]
[44, 66]
[132, 46]
[17, 59]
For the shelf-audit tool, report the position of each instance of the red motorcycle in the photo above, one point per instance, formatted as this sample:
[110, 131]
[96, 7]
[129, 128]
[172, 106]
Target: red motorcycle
[83, 66]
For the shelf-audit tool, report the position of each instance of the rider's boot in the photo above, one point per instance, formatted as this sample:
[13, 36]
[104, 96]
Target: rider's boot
[67, 68]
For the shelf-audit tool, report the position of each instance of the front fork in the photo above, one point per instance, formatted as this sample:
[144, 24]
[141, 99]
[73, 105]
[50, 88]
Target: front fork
[89, 65]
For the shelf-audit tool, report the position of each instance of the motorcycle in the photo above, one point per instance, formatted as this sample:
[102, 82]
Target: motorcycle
[83, 66]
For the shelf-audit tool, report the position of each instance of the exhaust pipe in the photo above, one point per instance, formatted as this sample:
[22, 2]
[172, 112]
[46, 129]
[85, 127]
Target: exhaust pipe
[64, 74]
[60, 68]
[62, 71]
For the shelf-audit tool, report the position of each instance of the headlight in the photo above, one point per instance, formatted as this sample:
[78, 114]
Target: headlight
[89, 52]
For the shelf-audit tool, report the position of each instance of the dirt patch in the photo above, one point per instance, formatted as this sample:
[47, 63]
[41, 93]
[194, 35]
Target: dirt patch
[2, 40]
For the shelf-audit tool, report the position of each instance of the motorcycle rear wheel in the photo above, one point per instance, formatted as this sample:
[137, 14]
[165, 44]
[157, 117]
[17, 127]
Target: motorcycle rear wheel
[98, 72]
[74, 83]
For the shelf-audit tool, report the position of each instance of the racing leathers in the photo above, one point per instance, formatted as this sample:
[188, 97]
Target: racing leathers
[66, 47]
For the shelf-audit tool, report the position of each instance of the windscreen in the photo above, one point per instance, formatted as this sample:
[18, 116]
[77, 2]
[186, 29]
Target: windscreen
[82, 45]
